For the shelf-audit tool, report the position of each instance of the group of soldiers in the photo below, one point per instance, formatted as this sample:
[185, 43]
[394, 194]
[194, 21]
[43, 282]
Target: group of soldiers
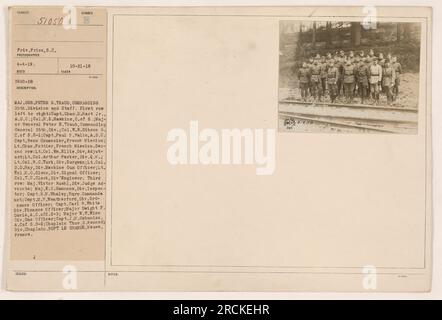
[346, 76]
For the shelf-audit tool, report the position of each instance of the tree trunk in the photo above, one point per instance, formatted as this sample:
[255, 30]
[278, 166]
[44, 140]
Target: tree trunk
[407, 31]
[329, 34]
[356, 34]
[314, 34]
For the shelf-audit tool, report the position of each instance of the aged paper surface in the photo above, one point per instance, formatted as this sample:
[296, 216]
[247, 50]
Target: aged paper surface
[124, 171]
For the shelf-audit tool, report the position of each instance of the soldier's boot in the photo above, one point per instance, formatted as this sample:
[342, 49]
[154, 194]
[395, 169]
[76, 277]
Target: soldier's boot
[349, 96]
[390, 98]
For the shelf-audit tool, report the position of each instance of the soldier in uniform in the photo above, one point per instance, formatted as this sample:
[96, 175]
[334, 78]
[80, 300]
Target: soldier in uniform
[362, 75]
[381, 62]
[342, 54]
[304, 80]
[310, 65]
[356, 61]
[332, 80]
[375, 79]
[398, 71]
[340, 66]
[323, 84]
[329, 57]
[368, 63]
[315, 79]
[351, 56]
[388, 81]
[349, 80]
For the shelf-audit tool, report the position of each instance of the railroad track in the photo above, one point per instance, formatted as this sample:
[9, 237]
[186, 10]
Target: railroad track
[310, 117]
[350, 106]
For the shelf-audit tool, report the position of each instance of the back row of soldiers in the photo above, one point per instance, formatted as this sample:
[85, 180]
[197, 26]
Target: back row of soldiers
[350, 75]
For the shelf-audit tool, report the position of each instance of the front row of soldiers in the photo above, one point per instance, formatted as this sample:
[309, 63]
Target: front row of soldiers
[349, 76]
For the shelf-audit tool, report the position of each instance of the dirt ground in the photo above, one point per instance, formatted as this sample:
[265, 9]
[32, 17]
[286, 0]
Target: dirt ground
[408, 91]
